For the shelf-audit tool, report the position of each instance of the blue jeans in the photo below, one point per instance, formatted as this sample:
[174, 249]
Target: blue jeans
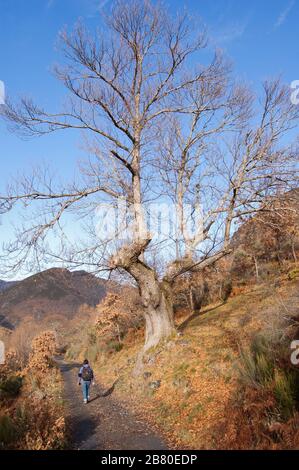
[85, 389]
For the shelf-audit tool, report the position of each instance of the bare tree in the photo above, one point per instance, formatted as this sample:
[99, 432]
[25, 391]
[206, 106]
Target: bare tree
[161, 126]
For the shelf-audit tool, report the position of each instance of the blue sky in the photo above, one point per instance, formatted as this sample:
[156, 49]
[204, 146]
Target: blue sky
[260, 36]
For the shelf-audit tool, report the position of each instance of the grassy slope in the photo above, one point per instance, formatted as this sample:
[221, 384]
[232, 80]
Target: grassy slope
[197, 370]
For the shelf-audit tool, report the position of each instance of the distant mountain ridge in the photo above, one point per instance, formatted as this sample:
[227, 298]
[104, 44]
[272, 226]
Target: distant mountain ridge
[6, 284]
[54, 292]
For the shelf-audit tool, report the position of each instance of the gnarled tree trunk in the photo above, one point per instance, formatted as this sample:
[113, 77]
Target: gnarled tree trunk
[159, 317]
[157, 300]
[155, 295]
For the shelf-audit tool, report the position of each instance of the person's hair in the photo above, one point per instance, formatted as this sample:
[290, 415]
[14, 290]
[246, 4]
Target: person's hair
[85, 361]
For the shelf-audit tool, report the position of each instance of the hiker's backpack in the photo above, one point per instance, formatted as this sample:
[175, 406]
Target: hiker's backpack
[86, 374]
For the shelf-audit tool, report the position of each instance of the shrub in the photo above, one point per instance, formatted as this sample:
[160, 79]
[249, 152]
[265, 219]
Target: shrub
[260, 345]
[247, 368]
[10, 387]
[22, 417]
[114, 346]
[257, 364]
[92, 337]
[284, 393]
[226, 289]
[8, 431]
[42, 350]
[259, 367]
[264, 369]
[118, 313]
[293, 274]
[199, 295]
[241, 266]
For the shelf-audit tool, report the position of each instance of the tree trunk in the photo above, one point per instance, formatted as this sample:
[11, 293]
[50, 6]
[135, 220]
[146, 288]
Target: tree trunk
[156, 295]
[159, 324]
[157, 300]
[159, 318]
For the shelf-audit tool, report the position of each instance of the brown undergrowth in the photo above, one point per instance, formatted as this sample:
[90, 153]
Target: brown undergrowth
[32, 414]
[193, 388]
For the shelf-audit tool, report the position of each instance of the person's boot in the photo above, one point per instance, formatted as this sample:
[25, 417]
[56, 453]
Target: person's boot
[85, 401]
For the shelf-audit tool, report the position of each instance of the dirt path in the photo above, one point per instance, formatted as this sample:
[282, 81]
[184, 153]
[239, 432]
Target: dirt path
[103, 423]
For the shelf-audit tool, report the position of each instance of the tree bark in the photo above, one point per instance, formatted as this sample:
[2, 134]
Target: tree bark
[157, 300]
[156, 295]
[159, 323]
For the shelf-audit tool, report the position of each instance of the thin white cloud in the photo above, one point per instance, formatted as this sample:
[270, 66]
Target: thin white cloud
[284, 14]
[228, 33]
[96, 7]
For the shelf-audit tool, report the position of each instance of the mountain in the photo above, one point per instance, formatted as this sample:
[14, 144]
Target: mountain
[5, 285]
[51, 293]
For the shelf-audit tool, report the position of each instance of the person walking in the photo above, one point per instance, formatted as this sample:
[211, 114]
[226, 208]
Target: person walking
[86, 377]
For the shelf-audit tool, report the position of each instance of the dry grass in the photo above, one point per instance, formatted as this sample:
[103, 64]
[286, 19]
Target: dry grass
[190, 389]
[33, 418]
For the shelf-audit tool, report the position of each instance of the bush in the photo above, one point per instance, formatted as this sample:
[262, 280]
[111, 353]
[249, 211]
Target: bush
[257, 364]
[241, 269]
[8, 431]
[284, 393]
[114, 346]
[92, 337]
[22, 414]
[264, 369]
[263, 365]
[10, 387]
[226, 289]
[247, 368]
[293, 274]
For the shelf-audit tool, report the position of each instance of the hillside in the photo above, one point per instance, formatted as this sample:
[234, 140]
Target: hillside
[202, 389]
[263, 246]
[48, 294]
[226, 380]
[273, 233]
